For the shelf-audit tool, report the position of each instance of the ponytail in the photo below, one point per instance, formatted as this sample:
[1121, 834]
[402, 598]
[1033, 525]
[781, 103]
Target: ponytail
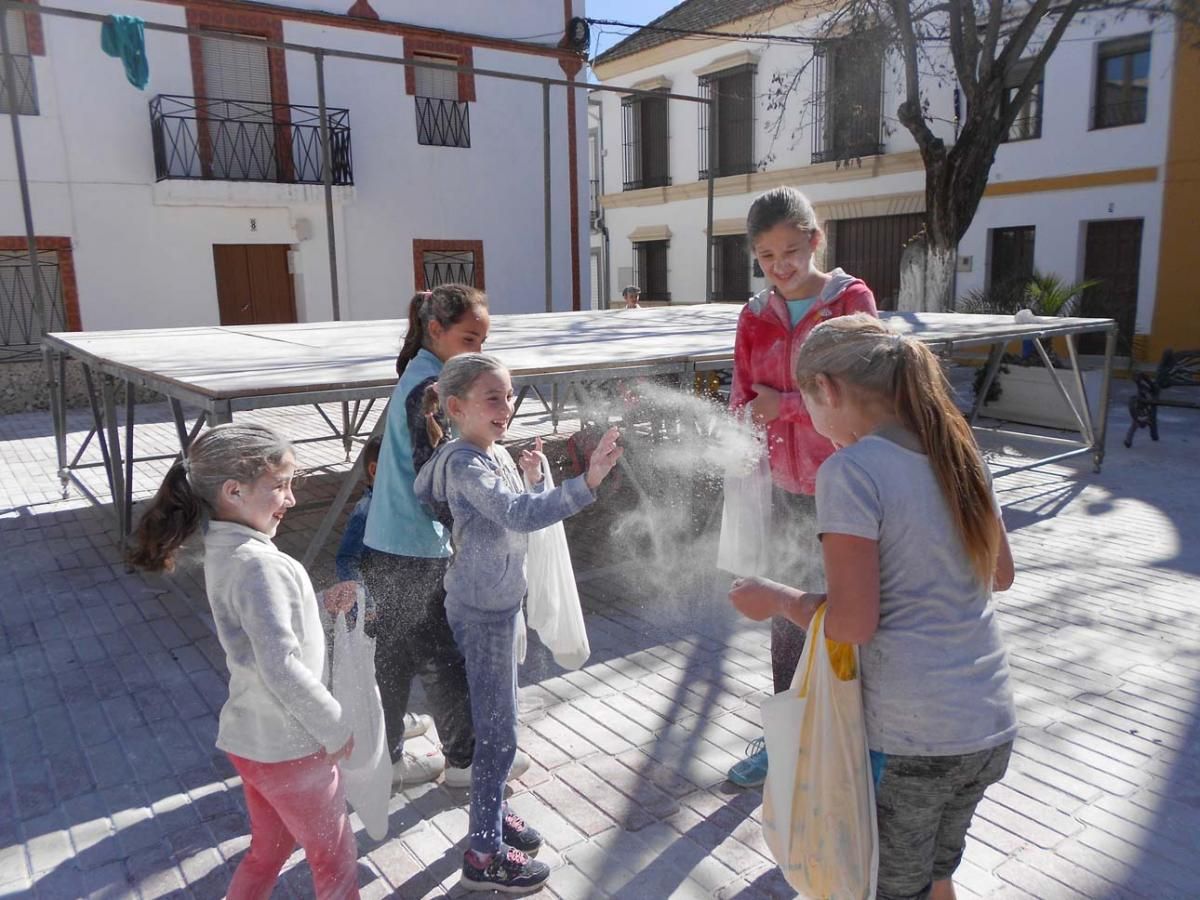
[446, 304]
[864, 354]
[414, 338]
[925, 407]
[188, 494]
[173, 515]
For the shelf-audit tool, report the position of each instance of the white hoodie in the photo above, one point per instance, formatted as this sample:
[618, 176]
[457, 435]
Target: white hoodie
[269, 625]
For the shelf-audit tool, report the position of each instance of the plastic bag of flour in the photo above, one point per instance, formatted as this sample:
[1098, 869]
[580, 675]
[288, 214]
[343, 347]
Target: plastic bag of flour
[367, 772]
[746, 517]
[553, 599]
[819, 798]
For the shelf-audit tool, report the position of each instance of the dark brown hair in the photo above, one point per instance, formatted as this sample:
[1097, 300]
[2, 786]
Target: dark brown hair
[188, 493]
[862, 353]
[446, 304]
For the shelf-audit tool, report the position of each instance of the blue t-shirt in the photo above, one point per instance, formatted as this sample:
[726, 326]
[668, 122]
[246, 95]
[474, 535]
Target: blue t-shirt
[797, 309]
[935, 675]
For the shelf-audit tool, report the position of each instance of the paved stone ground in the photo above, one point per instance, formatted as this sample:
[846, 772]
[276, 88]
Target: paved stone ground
[110, 685]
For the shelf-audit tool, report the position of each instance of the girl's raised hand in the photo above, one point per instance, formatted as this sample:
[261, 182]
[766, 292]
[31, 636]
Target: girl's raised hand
[604, 457]
[531, 463]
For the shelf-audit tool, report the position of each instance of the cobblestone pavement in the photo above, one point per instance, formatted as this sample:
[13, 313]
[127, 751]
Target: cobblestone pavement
[110, 685]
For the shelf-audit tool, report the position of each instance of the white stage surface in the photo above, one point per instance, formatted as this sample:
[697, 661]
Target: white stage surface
[218, 370]
[246, 363]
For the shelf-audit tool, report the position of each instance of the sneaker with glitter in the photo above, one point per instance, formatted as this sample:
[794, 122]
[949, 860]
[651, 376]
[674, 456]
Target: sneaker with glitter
[519, 834]
[509, 871]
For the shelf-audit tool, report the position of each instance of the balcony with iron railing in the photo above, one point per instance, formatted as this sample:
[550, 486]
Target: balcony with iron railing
[203, 138]
[847, 133]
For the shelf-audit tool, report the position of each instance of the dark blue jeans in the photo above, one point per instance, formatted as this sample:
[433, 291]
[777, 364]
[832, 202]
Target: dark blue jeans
[490, 653]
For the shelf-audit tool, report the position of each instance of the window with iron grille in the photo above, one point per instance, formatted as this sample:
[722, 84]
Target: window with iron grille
[847, 99]
[646, 142]
[1122, 82]
[650, 269]
[21, 328]
[443, 120]
[1028, 122]
[732, 91]
[731, 267]
[1011, 254]
[448, 267]
[22, 62]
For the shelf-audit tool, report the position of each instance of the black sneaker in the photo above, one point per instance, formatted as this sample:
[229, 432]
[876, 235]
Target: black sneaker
[510, 872]
[520, 835]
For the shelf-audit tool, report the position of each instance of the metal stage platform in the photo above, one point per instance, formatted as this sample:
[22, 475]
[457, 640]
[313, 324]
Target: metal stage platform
[213, 372]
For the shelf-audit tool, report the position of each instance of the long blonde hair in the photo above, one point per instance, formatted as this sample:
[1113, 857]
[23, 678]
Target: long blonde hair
[860, 352]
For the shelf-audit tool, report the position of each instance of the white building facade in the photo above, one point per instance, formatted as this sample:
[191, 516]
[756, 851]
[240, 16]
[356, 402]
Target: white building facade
[1082, 188]
[199, 200]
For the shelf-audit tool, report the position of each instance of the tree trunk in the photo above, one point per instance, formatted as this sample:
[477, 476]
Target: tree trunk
[927, 277]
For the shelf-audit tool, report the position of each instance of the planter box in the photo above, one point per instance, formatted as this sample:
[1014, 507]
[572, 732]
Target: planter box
[1028, 395]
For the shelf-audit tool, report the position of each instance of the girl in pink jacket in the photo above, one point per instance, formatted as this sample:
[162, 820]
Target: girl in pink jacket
[785, 237]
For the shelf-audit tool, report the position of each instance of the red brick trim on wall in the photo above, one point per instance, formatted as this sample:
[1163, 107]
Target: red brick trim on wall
[66, 272]
[420, 245]
[335, 20]
[452, 51]
[363, 10]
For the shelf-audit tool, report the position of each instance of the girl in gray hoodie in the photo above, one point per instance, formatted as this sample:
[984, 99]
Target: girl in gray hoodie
[473, 484]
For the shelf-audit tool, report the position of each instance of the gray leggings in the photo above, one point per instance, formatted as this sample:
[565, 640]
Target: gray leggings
[795, 561]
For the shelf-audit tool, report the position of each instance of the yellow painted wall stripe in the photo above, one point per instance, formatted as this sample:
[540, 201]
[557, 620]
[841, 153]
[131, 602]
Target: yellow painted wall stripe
[1072, 182]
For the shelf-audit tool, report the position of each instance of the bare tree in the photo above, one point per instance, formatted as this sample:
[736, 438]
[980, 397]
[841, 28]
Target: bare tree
[985, 41]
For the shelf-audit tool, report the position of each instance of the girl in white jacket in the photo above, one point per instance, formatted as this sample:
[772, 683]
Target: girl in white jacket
[281, 728]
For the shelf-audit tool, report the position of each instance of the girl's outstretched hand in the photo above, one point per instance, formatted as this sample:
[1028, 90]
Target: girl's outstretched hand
[756, 598]
[604, 457]
[531, 463]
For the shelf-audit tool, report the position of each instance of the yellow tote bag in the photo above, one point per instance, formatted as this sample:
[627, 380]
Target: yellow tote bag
[819, 797]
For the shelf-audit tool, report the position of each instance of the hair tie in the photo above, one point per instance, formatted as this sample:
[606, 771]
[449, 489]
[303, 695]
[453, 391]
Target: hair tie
[187, 465]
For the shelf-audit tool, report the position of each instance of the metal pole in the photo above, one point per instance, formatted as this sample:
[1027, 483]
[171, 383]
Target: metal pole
[546, 193]
[712, 165]
[327, 179]
[10, 80]
[1110, 347]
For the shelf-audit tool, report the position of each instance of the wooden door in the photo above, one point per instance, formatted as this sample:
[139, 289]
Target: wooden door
[1112, 253]
[870, 249]
[254, 286]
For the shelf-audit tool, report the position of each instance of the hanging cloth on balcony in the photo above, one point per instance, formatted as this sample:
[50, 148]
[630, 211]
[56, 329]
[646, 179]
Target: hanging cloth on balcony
[125, 37]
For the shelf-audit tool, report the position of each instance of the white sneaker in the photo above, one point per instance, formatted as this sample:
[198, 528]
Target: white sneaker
[461, 778]
[413, 769]
[415, 726]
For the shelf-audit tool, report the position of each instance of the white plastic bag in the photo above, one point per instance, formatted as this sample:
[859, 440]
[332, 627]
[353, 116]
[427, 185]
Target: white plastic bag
[819, 799]
[553, 601]
[367, 772]
[746, 517]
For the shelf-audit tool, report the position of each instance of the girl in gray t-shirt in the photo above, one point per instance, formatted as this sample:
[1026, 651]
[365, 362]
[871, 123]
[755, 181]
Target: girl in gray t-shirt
[914, 546]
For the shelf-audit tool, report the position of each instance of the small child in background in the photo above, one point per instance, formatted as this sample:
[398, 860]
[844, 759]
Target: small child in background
[473, 482]
[349, 560]
[281, 727]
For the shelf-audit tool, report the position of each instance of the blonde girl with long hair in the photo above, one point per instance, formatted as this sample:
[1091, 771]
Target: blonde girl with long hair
[914, 547]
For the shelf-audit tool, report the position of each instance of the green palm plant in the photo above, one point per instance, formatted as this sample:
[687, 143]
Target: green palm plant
[1044, 294]
[1051, 295]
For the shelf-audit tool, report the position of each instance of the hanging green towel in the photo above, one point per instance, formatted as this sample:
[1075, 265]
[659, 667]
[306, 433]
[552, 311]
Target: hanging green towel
[125, 36]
